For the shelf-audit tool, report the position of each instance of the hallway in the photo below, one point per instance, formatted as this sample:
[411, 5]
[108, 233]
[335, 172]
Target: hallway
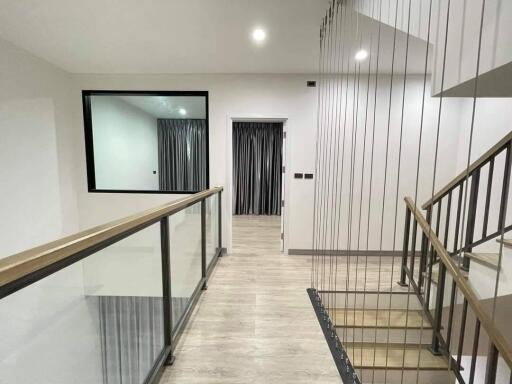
[255, 323]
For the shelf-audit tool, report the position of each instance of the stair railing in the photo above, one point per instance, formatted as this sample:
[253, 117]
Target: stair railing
[461, 299]
[108, 290]
[453, 193]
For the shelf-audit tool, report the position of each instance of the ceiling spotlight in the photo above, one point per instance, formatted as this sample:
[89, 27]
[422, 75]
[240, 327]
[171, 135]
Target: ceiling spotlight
[182, 111]
[361, 55]
[259, 35]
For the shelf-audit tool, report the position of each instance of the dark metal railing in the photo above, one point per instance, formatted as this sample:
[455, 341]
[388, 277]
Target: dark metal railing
[26, 268]
[434, 307]
[457, 190]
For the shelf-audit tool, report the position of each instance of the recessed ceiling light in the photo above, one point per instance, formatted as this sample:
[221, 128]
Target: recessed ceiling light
[361, 55]
[259, 35]
[182, 111]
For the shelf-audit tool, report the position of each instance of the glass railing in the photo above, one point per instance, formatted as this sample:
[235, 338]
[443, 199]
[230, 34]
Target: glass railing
[108, 305]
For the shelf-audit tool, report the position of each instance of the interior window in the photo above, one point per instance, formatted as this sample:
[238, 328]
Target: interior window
[146, 141]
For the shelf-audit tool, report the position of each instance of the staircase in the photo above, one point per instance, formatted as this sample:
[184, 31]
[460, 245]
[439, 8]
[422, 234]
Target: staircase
[390, 339]
[442, 321]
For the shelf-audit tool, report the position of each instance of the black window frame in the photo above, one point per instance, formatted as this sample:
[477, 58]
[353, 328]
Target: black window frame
[89, 142]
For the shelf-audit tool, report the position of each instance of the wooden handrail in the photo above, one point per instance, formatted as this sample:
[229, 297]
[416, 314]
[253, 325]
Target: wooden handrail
[494, 334]
[462, 176]
[22, 264]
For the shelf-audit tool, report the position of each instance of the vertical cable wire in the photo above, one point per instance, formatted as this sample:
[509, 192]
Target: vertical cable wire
[362, 178]
[327, 166]
[441, 96]
[345, 80]
[386, 169]
[353, 143]
[324, 153]
[339, 90]
[333, 155]
[313, 240]
[347, 275]
[396, 205]
[420, 139]
[352, 203]
[371, 177]
[470, 147]
[342, 170]
[319, 143]
[321, 155]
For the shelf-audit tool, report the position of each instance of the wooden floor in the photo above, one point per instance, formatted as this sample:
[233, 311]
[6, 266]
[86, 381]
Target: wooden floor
[255, 323]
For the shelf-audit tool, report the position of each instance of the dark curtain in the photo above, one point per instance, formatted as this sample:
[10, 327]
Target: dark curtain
[257, 161]
[182, 154]
[132, 337]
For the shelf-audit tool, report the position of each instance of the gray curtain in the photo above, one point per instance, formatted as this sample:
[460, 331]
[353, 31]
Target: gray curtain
[182, 154]
[257, 162]
[132, 337]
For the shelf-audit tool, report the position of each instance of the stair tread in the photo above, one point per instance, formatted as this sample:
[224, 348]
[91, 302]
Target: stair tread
[381, 318]
[488, 259]
[412, 356]
[506, 242]
[435, 275]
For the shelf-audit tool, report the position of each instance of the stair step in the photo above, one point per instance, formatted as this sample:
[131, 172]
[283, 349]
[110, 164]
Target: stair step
[435, 275]
[394, 356]
[362, 300]
[488, 259]
[381, 318]
[506, 242]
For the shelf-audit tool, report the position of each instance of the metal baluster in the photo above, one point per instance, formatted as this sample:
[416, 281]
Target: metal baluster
[505, 189]
[166, 288]
[413, 247]
[432, 253]
[488, 197]
[492, 365]
[438, 310]
[450, 316]
[219, 196]
[470, 228]
[447, 223]
[457, 223]
[405, 248]
[462, 329]
[429, 277]
[424, 250]
[203, 244]
[474, 354]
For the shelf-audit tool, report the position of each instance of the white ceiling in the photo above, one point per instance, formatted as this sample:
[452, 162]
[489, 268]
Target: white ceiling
[166, 36]
[174, 36]
[168, 107]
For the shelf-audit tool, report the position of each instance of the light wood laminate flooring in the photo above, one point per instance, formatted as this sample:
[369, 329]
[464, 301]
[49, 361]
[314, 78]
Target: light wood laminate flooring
[255, 323]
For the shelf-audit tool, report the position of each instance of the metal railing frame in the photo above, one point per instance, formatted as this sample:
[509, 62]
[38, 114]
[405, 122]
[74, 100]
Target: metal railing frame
[23, 269]
[498, 344]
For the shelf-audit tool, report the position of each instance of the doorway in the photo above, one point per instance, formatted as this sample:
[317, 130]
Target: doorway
[258, 177]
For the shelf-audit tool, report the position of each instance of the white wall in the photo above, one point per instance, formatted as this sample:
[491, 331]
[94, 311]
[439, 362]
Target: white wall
[463, 37]
[260, 96]
[125, 145]
[393, 163]
[38, 205]
[36, 182]
[463, 34]
[230, 96]
[286, 96]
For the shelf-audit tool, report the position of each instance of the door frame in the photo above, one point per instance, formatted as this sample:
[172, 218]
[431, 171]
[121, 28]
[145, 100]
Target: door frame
[284, 179]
